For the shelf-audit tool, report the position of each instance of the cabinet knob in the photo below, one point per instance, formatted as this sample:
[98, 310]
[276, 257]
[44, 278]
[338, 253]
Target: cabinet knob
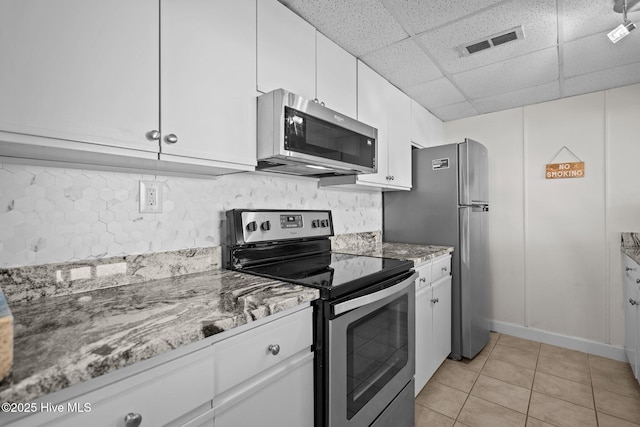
[629, 269]
[132, 420]
[274, 349]
[638, 281]
[171, 138]
[423, 279]
[153, 135]
[633, 302]
[444, 268]
[435, 300]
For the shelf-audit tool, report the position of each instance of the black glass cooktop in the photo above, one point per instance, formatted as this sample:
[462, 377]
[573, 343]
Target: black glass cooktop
[335, 274]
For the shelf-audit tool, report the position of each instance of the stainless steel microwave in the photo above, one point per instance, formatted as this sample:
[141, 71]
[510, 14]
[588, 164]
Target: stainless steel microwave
[302, 137]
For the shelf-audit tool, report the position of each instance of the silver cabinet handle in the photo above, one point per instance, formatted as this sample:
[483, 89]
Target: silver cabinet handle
[274, 349]
[171, 138]
[392, 177]
[444, 268]
[423, 279]
[132, 420]
[629, 269]
[638, 281]
[633, 302]
[435, 300]
[153, 135]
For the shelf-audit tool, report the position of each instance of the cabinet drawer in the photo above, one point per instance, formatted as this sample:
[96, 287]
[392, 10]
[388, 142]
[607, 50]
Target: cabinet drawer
[424, 271]
[441, 268]
[245, 355]
[168, 394]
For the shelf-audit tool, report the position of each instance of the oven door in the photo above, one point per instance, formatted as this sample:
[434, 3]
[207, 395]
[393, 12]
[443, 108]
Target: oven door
[371, 353]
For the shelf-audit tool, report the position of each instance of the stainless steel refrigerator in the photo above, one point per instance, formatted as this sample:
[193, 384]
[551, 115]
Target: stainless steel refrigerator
[449, 205]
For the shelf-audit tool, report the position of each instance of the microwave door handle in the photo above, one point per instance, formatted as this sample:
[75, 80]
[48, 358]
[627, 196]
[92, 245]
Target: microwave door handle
[371, 298]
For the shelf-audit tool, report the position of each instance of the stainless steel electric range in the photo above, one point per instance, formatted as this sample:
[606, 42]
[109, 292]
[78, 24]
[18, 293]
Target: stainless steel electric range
[364, 320]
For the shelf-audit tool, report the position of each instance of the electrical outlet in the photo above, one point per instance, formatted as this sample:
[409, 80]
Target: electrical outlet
[150, 196]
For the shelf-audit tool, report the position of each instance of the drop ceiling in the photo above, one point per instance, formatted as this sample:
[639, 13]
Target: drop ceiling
[414, 44]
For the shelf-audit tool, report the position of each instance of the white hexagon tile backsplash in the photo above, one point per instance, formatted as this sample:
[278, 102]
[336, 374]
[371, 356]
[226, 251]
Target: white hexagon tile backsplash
[56, 215]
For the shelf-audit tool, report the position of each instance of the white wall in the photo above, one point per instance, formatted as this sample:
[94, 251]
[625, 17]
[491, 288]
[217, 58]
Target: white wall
[56, 215]
[555, 243]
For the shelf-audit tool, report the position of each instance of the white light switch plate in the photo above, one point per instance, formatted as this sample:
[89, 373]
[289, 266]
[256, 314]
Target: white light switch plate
[150, 197]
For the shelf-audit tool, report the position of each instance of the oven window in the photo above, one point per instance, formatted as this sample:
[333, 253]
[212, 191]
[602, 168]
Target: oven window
[309, 135]
[377, 349]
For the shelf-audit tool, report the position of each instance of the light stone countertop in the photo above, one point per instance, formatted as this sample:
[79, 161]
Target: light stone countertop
[405, 251]
[65, 340]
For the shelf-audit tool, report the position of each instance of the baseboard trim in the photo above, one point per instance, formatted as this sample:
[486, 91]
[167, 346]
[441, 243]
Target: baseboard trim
[573, 343]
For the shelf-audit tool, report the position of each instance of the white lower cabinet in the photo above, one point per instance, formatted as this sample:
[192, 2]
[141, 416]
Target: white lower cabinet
[262, 376]
[167, 395]
[433, 319]
[265, 376]
[632, 314]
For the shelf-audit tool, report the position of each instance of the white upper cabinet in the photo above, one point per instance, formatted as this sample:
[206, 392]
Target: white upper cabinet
[426, 129]
[373, 93]
[383, 106]
[121, 78]
[286, 51]
[80, 70]
[293, 56]
[208, 69]
[399, 144]
[336, 77]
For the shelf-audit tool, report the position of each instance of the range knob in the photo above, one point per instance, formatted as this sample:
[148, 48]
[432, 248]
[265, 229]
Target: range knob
[315, 223]
[252, 226]
[266, 226]
[324, 223]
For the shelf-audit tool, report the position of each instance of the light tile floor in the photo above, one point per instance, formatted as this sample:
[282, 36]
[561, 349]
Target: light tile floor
[515, 382]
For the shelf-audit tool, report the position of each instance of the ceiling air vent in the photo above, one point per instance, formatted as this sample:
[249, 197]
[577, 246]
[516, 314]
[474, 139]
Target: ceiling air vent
[492, 41]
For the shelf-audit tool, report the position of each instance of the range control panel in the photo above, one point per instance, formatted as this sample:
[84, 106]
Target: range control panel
[255, 226]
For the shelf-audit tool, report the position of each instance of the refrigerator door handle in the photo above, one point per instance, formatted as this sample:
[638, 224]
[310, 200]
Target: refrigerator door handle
[464, 235]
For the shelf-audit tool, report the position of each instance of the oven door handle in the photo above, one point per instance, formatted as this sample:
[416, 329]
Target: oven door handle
[371, 298]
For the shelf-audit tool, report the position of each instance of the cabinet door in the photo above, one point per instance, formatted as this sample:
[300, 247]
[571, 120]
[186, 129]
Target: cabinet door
[424, 326]
[372, 110]
[283, 397]
[399, 122]
[441, 320]
[631, 323]
[286, 50]
[208, 80]
[336, 77]
[80, 70]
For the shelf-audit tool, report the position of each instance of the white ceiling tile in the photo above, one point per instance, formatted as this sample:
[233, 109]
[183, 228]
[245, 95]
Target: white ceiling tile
[519, 98]
[435, 93]
[595, 53]
[455, 111]
[404, 64]
[524, 71]
[359, 26]
[538, 18]
[602, 80]
[421, 15]
[583, 18]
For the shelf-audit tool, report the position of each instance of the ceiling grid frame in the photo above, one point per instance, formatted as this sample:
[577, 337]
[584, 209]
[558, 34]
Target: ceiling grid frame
[514, 75]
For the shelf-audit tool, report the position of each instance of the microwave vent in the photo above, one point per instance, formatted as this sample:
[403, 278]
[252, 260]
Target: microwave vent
[492, 41]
